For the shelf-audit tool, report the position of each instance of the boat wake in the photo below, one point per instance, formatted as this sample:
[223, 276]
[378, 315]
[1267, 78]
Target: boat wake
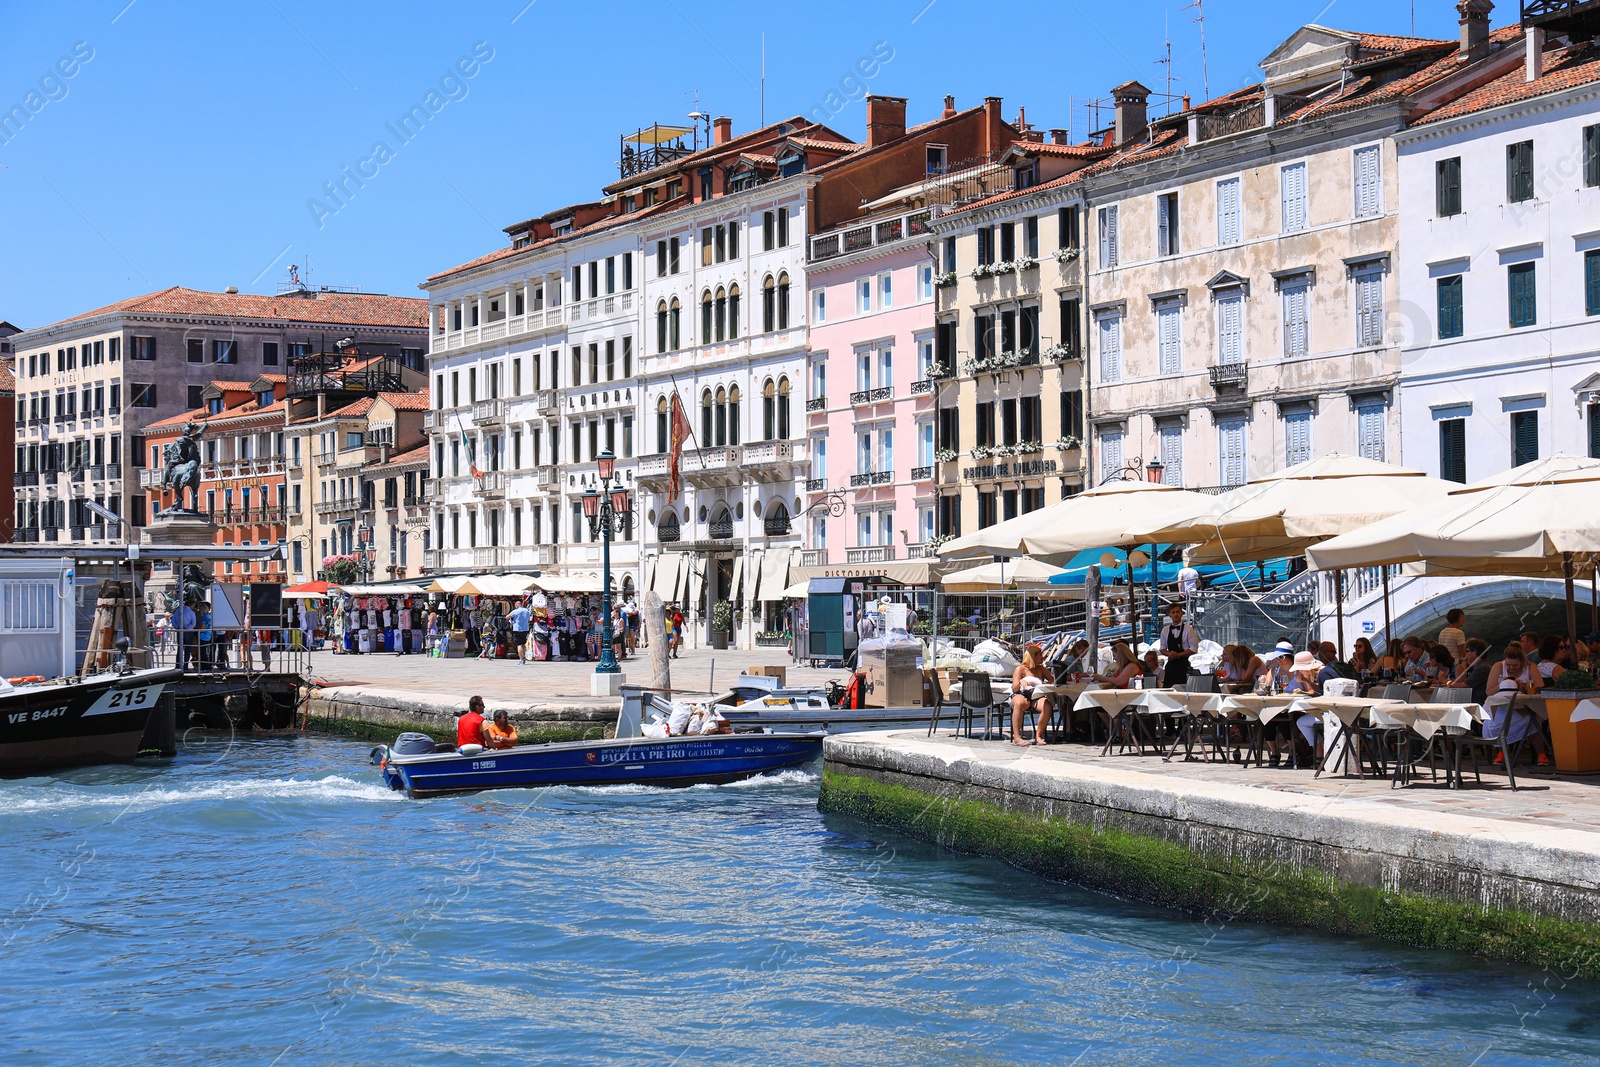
[58, 797]
[782, 779]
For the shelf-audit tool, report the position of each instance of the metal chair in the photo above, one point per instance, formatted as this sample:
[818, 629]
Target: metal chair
[1509, 752]
[941, 703]
[977, 693]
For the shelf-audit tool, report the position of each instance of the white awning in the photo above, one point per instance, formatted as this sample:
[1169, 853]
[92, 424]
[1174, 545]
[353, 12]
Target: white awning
[665, 581]
[736, 586]
[775, 572]
[757, 569]
[695, 584]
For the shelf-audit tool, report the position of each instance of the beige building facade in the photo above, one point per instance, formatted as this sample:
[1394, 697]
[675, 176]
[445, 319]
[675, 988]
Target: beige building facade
[1242, 298]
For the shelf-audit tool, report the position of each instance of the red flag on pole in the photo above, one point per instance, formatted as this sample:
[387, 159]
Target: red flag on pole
[679, 434]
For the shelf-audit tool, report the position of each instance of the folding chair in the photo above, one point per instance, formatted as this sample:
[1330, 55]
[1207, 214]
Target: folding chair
[942, 703]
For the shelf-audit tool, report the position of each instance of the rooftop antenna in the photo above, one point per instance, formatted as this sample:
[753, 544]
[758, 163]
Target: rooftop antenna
[698, 116]
[763, 80]
[1166, 60]
[1205, 76]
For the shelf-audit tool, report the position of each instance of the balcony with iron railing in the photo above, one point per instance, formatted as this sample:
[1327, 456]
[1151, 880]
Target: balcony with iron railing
[921, 386]
[1230, 376]
[869, 235]
[24, 478]
[721, 530]
[922, 474]
[872, 396]
[776, 526]
[817, 403]
[816, 485]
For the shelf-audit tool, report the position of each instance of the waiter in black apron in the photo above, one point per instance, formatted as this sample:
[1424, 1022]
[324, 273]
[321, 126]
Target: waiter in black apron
[1178, 642]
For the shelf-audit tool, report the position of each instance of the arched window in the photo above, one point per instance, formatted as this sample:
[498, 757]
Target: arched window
[769, 304]
[769, 410]
[673, 315]
[663, 426]
[667, 528]
[705, 317]
[777, 521]
[733, 312]
[705, 419]
[722, 416]
[783, 301]
[721, 522]
[733, 415]
[783, 409]
[722, 313]
[661, 327]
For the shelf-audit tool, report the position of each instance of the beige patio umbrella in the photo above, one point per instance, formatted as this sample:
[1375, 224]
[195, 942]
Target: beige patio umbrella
[1096, 518]
[1019, 574]
[497, 585]
[1537, 519]
[1285, 513]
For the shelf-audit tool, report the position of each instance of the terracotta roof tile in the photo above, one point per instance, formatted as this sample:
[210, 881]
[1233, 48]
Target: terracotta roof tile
[406, 401]
[1566, 68]
[416, 457]
[344, 309]
[8, 380]
[233, 387]
[360, 407]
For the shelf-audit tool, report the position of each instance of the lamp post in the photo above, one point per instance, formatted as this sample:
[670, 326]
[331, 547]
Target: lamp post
[606, 508]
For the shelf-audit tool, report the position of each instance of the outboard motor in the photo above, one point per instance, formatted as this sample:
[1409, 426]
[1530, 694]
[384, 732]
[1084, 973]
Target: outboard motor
[412, 744]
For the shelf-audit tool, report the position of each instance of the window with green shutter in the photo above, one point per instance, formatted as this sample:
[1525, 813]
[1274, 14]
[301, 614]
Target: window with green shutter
[1594, 431]
[1524, 437]
[1453, 450]
[1447, 187]
[1591, 156]
[1519, 172]
[1450, 316]
[1591, 283]
[1521, 291]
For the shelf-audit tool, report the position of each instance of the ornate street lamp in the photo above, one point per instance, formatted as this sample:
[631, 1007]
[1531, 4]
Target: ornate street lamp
[606, 508]
[1153, 471]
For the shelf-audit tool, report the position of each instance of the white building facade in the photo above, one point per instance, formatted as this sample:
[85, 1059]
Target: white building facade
[1500, 274]
[724, 319]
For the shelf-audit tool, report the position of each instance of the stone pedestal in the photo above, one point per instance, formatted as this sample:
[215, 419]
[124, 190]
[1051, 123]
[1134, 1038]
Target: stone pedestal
[181, 529]
[606, 685]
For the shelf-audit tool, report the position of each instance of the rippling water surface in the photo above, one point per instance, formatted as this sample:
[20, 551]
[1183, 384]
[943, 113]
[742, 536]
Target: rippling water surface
[272, 903]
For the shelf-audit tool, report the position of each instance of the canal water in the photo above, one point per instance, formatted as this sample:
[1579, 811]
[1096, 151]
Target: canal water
[270, 902]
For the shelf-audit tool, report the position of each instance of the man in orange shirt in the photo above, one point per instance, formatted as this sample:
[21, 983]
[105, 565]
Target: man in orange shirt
[501, 733]
[469, 727]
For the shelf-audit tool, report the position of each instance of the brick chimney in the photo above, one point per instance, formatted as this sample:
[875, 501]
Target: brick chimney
[949, 108]
[1132, 115]
[723, 130]
[1474, 26]
[1058, 135]
[886, 119]
[994, 135]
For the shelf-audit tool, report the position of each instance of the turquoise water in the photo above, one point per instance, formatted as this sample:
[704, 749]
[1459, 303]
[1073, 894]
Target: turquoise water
[270, 902]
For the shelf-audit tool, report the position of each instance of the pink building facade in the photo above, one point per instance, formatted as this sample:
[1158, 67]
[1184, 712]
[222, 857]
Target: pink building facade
[870, 399]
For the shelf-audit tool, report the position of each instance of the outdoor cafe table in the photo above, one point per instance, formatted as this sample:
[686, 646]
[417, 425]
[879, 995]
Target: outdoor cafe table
[1256, 709]
[1150, 701]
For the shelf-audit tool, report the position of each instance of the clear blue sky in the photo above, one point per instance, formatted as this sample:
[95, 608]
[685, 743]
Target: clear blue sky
[186, 149]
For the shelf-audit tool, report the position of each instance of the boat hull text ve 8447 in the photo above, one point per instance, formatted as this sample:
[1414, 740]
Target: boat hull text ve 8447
[98, 719]
[670, 761]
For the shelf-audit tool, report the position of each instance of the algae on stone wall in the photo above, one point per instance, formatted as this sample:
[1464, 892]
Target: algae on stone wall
[1158, 871]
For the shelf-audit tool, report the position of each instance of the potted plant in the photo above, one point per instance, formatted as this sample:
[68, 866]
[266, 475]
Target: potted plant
[721, 624]
[1576, 744]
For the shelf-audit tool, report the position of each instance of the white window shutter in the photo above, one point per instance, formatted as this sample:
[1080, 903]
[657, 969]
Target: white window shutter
[1169, 338]
[1108, 236]
[1294, 197]
[1297, 438]
[1172, 455]
[1296, 339]
[1230, 439]
[1369, 200]
[1163, 226]
[1230, 344]
[1228, 212]
[1111, 347]
[1110, 454]
[1369, 427]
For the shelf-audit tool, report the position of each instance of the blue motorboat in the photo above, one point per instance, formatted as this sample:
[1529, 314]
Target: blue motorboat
[418, 766]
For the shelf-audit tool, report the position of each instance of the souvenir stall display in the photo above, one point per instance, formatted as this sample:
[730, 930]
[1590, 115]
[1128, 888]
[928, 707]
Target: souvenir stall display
[369, 623]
